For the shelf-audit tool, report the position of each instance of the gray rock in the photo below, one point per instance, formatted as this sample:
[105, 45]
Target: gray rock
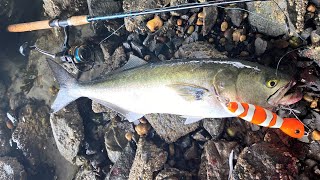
[121, 169]
[32, 127]
[236, 15]
[175, 3]
[210, 18]
[314, 151]
[172, 173]
[86, 174]
[138, 23]
[170, 127]
[198, 49]
[215, 158]
[63, 8]
[260, 46]
[5, 135]
[114, 138]
[214, 126]
[68, 131]
[11, 169]
[273, 23]
[149, 158]
[102, 8]
[266, 161]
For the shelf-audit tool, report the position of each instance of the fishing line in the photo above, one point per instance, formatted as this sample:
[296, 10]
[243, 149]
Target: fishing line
[111, 34]
[293, 113]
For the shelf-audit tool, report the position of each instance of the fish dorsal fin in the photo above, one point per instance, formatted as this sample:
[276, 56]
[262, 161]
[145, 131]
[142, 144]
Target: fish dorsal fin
[190, 92]
[131, 116]
[191, 119]
[133, 62]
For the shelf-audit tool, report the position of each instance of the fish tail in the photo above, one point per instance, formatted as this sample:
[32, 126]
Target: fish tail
[66, 82]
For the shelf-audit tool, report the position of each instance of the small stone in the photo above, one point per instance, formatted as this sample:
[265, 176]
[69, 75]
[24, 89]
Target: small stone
[9, 125]
[260, 46]
[236, 36]
[307, 98]
[210, 40]
[315, 135]
[281, 43]
[154, 24]
[315, 38]
[147, 57]
[242, 38]
[312, 8]
[199, 22]
[224, 26]
[179, 22]
[171, 149]
[142, 129]
[129, 136]
[143, 120]
[201, 15]
[223, 41]
[313, 104]
[295, 42]
[244, 53]
[190, 30]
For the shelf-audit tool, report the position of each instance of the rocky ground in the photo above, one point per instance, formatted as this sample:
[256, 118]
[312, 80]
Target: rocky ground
[88, 141]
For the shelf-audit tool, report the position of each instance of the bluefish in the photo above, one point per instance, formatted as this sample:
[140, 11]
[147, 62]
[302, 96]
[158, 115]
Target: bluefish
[194, 89]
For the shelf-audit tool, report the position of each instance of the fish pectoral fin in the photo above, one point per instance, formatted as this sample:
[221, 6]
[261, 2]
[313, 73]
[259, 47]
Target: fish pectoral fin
[133, 62]
[190, 92]
[130, 116]
[191, 119]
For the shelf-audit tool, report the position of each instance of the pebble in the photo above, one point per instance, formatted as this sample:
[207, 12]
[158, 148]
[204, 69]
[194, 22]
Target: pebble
[190, 30]
[201, 15]
[244, 53]
[307, 98]
[314, 104]
[199, 22]
[311, 8]
[147, 57]
[9, 125]
[154, 24]
[171, 149]
[294, 42]
[179, 22]
[129, 136]
[224, 26]
[315, 135]
[242, 38]
[236, 36]
[211, 40]
[315, 38]
[142, 129]
[143, 120]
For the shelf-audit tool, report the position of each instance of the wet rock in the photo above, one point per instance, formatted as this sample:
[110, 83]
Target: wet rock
[68, 131]
[64, 8]
[115, 139]
[215, 158]
[102, 8]
[275, 25]
[209, 19]
[314, 151]
[260, 46]
[149, 158]
[121, 169]
[33, 127]
[11, 169]
[267, 161]
[175, 3]
[172, 173]
[4, 136]
[138, 23]
[214, 126]
[312, 52]
[170, 127]
[235, 15]
[117, 59]
[199, 50]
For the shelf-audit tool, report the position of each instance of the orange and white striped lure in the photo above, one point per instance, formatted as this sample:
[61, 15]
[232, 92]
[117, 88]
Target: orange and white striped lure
[263, 117]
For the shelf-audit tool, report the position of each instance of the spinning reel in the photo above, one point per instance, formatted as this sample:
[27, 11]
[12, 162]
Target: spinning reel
[81, 56]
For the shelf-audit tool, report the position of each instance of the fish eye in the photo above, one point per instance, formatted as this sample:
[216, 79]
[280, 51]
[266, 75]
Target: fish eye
[297, 131]
[271, 83]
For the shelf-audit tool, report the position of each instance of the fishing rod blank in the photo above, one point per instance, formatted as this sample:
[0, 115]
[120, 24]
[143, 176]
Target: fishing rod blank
[84, 19]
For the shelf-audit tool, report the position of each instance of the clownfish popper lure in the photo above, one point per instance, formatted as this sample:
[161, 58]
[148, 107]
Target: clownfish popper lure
[263, 117]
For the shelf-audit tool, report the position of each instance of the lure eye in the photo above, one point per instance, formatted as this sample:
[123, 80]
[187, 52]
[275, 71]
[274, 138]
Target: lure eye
[271, 83]
[297, 131]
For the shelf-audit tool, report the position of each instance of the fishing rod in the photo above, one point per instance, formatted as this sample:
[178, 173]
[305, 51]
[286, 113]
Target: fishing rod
[85, 19]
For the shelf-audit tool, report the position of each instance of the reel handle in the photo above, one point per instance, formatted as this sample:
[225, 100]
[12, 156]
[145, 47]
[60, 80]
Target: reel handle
[45, 24]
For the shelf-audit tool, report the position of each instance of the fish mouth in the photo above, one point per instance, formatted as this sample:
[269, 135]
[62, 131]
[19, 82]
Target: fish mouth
[282, 97]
